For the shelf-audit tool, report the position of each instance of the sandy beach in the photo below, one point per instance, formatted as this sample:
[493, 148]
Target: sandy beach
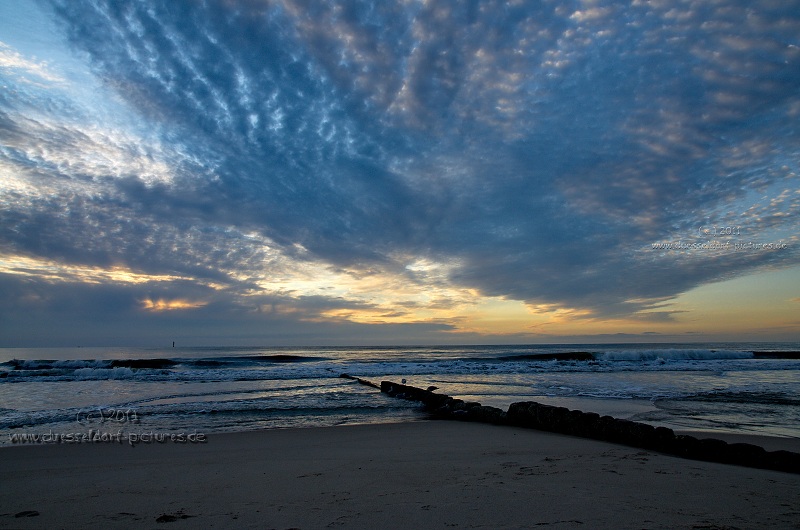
[411, 475]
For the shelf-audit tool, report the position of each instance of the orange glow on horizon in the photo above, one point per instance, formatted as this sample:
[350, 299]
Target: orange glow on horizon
[170, 305]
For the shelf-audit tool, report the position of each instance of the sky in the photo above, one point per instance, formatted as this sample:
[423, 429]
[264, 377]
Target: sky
[291, 172]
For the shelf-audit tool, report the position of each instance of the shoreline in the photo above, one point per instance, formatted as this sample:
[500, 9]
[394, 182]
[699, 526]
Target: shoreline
[767, 441]
[433, 474]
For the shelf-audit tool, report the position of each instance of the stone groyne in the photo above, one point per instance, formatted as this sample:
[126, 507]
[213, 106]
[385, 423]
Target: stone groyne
[533, 415]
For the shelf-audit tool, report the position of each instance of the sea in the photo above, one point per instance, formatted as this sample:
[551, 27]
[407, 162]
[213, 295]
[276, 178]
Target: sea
[147, 395]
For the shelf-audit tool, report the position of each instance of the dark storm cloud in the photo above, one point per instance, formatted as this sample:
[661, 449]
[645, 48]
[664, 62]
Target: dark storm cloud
[538, 148]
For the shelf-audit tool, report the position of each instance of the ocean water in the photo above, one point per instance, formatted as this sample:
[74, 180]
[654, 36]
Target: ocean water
[72, 395]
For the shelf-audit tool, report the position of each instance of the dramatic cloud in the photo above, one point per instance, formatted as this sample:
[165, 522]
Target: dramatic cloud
[387, 163]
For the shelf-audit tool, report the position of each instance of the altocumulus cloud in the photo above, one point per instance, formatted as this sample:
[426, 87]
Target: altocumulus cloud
[321, 160]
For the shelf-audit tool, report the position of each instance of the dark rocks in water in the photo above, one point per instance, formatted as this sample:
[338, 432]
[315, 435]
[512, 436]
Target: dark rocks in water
[368, 383]
[428, 398]
[443, 406]
[450, 406]
[362, 381]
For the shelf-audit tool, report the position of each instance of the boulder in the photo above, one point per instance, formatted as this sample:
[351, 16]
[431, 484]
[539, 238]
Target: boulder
[605, 428]
[684, 446]
[712, 450]
[782, 461]
[587, 424]
[519, 414]
[745, 454]
[486, 414]
[663, 438]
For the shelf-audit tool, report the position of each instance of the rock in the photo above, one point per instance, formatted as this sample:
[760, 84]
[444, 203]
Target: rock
[745, 454]
[708, 449]
[642, 435]
[458, 404]
[448, 407]
[712, 450]
[587, 424]
[782, 461]
[619, 431]
[518, 414]
[605, 428]
[663, 438]
[559, 419]
[362, 381]
[486, 414]
[684, 446]
[430, 399]
[573, 422]
[549, 418]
